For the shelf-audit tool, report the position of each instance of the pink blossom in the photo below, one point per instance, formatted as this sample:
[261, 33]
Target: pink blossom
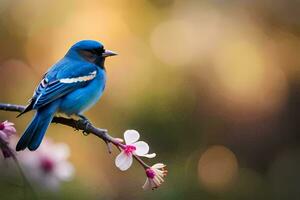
[132, 147]
[48, 166]
[155, 175]
[7, 129]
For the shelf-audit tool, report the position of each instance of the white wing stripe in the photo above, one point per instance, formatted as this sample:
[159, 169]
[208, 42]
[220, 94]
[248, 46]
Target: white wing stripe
[79, 79]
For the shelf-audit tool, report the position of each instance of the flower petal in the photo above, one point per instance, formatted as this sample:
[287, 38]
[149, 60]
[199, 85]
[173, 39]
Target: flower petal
[9, 130]
[61, 152]
[147, 185]
[3, 136]
[159, 165]
[123, 161]
[64, 171]
[151, 155]
[142, 148]
[7, 123]
[153, 184]
[131, 136]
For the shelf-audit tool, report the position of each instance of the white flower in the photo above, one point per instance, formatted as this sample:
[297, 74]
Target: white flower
[132, 146]
[155, 175]
[47, 167]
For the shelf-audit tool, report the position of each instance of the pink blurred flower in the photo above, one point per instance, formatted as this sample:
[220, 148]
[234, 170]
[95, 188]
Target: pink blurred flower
[7, 129]
[132, 146]
[155, 175]
[48, 166]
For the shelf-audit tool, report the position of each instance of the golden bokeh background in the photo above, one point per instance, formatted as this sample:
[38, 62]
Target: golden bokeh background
[212, 86]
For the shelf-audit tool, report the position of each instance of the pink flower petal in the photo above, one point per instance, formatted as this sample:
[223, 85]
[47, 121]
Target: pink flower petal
[3, 136]
[123, 161]
[7, 123]
[61, 152]
[131, 136]
[142, 148]
[64, 171]
[9, 130]
[147, 185]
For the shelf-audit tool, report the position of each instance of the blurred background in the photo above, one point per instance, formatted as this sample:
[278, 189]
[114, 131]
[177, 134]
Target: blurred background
[212, 86]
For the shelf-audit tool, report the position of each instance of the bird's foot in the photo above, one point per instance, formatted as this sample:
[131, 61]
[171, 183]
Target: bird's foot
[86, 123]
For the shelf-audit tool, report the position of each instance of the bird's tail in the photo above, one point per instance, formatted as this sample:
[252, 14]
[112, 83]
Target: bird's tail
[34, 133]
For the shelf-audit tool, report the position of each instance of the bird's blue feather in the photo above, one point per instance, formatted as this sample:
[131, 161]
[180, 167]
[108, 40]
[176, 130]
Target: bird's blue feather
[54, 89]
[70, 86]
[35, 132]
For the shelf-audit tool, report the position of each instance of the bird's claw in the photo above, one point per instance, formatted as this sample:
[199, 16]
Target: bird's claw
[86, 123]
[76, 127]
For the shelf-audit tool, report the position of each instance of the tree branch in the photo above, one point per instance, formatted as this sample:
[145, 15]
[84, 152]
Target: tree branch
[86, 127]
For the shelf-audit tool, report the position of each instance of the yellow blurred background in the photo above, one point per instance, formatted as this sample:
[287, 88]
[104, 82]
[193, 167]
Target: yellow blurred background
[212, 86]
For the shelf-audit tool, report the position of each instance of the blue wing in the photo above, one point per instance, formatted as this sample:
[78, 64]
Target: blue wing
[61, 79]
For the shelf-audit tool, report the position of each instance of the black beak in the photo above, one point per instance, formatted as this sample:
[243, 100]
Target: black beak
[108, 53]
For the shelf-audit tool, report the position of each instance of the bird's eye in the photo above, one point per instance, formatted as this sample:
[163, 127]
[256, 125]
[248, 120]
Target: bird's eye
[88, 55]
[99, 51]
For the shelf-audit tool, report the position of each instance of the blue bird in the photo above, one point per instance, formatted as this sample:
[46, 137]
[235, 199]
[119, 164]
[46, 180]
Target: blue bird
[71, 86]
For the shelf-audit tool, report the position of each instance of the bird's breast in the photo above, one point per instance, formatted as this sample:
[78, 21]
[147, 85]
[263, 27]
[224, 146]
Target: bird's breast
[83, 98]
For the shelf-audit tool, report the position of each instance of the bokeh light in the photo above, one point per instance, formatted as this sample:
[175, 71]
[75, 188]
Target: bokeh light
[247, 78]
[173, 42]
[217, 168]
[189, 75]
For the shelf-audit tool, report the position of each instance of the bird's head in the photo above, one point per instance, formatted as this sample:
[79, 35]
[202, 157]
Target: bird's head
[90, 51]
